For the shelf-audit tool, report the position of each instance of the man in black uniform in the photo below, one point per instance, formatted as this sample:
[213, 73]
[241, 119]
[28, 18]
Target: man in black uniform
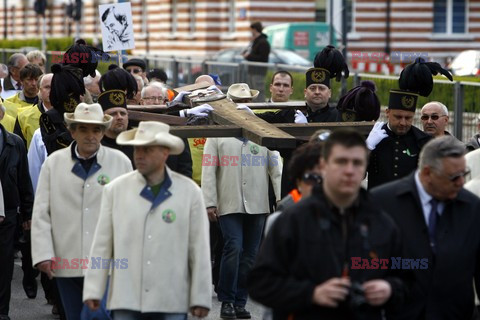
[305, 269]
[396, 145]
[317, 94]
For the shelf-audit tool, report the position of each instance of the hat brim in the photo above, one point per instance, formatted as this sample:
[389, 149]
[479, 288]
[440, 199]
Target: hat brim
[174, 143]
[129, 64]
[106, 122]
[254, 93]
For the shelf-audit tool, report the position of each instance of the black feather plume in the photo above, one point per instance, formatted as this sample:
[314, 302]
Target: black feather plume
[67, 83]
[332, 60]
[120, 79]
[417, 76]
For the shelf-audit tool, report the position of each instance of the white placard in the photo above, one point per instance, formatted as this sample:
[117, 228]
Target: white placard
[117, 26]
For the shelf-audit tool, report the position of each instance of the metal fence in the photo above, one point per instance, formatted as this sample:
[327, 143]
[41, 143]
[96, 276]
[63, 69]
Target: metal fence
[456, 95]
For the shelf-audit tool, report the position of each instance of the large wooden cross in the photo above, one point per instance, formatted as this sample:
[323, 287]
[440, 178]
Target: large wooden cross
[230, 122]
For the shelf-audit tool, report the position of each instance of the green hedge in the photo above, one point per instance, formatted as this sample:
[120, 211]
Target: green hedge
[441, 92]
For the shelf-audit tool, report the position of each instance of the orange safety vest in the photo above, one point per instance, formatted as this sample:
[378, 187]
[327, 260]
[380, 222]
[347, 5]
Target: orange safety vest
[296, 195]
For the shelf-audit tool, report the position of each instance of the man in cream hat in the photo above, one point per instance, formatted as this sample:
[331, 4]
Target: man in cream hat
[162, 213]
[241, 93]
[67, 202]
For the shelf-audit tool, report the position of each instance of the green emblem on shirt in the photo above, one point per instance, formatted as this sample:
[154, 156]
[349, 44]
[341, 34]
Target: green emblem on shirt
[103, 179]
[254, 149]
[168, 216]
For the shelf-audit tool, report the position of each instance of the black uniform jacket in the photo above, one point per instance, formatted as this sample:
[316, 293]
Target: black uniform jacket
[445, 289]
[395, 156]
[326, 114]
[306, 247]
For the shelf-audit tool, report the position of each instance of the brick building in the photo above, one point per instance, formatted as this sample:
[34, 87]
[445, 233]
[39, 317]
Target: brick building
[189, 28]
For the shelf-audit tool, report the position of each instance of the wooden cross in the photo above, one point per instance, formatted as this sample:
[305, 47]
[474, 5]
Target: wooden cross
[230, 122]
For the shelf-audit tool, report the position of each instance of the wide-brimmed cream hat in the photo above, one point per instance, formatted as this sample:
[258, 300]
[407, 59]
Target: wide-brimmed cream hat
[152, 133]
[88, 114]
[241, 91]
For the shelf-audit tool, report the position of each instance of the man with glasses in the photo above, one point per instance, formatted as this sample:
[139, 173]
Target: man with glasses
[136, 67]
[435, 119]
[154, 95]
[439, 221]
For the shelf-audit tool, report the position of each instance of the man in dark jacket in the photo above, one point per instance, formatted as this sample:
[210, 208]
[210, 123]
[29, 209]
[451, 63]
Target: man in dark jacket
[18, 200]
[307, 267]
[396, 144]
[258, 51]
[439, 221]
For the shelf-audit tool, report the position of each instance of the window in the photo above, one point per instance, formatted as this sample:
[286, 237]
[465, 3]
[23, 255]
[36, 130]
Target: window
[449, 16]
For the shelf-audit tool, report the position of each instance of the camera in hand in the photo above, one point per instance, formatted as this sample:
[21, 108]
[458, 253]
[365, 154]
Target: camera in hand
[356, 296]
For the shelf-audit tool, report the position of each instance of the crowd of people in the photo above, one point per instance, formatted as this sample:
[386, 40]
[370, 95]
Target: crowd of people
[125, 220]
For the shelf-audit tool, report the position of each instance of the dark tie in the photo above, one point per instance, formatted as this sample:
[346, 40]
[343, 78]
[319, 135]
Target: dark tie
[19, 87]
[432, 223]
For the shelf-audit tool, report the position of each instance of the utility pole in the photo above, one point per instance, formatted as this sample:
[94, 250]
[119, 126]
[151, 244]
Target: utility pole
[344, 41]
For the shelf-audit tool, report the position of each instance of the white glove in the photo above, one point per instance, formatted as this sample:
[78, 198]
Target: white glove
[300, 117]
[215, 88]
[245, 107]
[376, 135]
[200, 111]
[180, 95]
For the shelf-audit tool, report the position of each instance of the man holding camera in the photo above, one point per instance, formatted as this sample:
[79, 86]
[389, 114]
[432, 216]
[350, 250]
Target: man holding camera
[313, 260]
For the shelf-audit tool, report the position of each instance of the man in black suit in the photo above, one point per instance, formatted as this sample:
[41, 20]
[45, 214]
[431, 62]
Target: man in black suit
[439, 220]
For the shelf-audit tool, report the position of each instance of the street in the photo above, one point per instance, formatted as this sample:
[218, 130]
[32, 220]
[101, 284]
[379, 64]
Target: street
[22, 308]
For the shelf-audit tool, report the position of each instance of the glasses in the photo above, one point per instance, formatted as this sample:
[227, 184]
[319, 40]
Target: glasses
[159, 99]
[455, 177]
[135, 71]
[434, 117]
[312, 178]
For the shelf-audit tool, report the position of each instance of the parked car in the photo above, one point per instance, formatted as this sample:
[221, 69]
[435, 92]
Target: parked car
[279, 56]
[230, 75]
[467, 63]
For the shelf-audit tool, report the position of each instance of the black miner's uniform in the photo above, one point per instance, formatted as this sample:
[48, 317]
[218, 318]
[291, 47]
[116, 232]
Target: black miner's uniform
[306, 247]
[326, 114]
[395, 156]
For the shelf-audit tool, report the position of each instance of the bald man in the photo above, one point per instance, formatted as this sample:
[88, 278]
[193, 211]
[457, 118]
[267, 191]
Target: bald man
[434, 116]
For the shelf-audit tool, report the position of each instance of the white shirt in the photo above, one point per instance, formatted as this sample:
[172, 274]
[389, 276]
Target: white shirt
[37, 153]
[2, 208]
[8, 93]
[425, 199]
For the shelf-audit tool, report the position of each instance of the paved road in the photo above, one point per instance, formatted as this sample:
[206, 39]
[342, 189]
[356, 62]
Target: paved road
[22, 308]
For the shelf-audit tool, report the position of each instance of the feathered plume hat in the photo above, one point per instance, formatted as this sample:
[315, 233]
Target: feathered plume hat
[328, 63]
[360, 103]
[416, 79]
[67, 80]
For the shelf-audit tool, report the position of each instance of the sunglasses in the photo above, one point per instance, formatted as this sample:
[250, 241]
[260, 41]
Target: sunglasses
[455, 177]
[135, 70]
[312, 178]
[434, 117]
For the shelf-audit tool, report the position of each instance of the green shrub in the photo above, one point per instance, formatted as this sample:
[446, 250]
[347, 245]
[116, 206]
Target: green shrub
[441, 92]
